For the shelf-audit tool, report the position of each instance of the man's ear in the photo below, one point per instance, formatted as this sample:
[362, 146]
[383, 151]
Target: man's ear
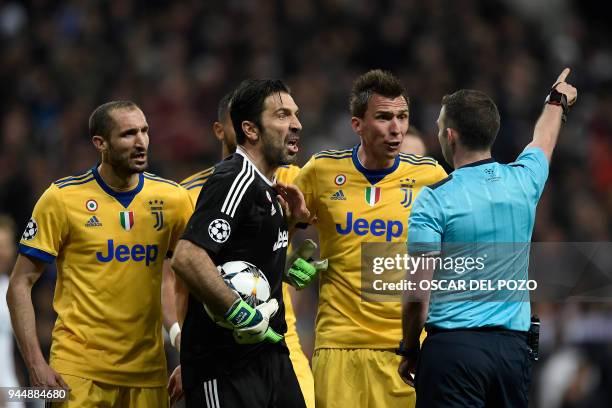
[100, 143]
[218, 131]
[356, 124]
[251, 131]
[451, 135]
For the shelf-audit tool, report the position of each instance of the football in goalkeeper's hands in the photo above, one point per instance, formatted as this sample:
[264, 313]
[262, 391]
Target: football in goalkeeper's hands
[248, 281]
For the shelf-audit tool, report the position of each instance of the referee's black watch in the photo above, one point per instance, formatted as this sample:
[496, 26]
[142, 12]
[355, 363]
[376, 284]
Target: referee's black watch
[558, 99]
[411, 352]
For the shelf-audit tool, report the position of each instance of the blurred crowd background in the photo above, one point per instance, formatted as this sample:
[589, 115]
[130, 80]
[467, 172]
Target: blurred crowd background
[60, 59]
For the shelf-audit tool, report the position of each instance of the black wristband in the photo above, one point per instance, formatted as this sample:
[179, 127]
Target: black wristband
[557, 98]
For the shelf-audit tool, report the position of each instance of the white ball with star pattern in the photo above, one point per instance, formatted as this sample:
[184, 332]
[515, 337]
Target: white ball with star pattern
[30, 230]
[247, 281]
[219, 230]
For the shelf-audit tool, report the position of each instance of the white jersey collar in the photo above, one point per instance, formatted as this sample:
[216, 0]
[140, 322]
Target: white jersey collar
[241, 152]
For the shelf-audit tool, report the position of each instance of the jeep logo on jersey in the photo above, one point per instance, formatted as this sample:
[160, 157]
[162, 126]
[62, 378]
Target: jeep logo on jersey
[124, 253]
[219, 230]
[30, 230]
[390, 228]
[282, 241]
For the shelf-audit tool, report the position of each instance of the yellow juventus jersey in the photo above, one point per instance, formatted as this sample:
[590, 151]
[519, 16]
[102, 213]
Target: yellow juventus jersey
[109, 248]
[354, 205]
[286, 175]
[194, 183]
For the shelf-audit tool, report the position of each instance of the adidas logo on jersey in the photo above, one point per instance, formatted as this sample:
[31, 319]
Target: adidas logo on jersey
[93, 222]
[338, 195]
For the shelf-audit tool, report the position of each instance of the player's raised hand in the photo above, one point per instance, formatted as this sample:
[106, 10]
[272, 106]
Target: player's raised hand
[292, 200]
[564, 88]
[301, 269]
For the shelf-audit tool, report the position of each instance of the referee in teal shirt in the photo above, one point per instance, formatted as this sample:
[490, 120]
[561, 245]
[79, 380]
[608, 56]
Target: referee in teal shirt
[476, 352]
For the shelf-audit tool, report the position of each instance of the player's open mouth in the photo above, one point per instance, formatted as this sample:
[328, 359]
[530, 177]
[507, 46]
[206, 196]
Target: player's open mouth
[393, 145]
[293, 144]
[140, 156]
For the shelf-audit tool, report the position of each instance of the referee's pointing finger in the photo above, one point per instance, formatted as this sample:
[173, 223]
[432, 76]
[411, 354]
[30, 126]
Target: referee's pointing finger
[562, 76]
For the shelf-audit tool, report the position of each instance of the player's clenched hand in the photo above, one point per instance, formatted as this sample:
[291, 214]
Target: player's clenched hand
[252, 325]
[292, 200]
[302, 270]
[566, 89]
[175, 385]
[405, 370]
[42, 375]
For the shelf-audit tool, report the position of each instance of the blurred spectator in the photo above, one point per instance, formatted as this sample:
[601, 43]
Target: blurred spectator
[8, 251]
[413, 142]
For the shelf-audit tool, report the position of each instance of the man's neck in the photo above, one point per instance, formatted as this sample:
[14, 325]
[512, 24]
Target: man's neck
[225, 151]
[116, 181]
[370, 162]
[257, 158]
[464, 157]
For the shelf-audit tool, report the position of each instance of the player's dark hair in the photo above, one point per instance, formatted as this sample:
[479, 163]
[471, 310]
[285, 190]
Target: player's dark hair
[474, 115]
[372, 82]
[223, 107]
[247, 102]
[101, 123]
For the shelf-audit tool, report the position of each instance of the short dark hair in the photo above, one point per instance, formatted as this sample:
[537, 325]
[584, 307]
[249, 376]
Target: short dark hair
[474, 115]
[247, 102]
[376, 81]
[100, 121]
[223, 107]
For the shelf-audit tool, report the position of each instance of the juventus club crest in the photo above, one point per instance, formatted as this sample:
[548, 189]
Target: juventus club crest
[406, 187]
[157, 210]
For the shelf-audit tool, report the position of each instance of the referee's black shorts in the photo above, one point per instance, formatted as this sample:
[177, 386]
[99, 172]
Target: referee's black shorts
[473, 368]
[267, 381]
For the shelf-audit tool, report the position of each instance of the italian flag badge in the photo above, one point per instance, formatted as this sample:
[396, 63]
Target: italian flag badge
[372, 195]
[126, 219]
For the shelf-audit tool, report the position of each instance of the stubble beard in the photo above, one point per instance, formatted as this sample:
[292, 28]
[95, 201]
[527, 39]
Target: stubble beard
[121, 165]
[276, 154]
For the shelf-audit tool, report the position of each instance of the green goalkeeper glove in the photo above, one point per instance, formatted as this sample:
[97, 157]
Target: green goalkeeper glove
[252, 325]
[301, 272]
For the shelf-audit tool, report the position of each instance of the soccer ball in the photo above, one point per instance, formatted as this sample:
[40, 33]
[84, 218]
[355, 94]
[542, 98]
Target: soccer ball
[247, 281]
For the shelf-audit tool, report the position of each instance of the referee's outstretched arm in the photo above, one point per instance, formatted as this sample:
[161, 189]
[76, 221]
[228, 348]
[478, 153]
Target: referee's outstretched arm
[562, 96]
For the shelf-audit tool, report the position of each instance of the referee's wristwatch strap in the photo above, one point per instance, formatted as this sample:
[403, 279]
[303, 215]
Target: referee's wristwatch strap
[558, 99]
[407, 352]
